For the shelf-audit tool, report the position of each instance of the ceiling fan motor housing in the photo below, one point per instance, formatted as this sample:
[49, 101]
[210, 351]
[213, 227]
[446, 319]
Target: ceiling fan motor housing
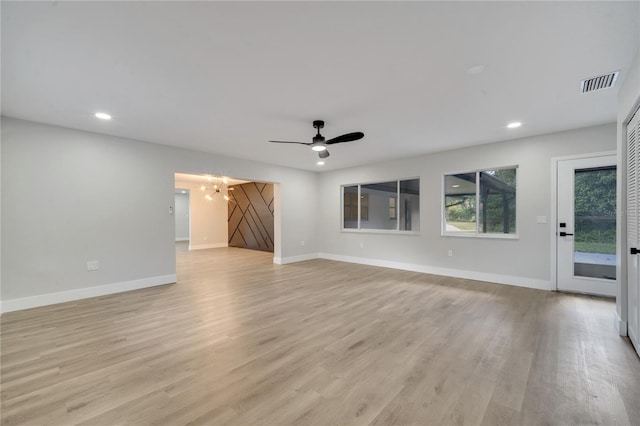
[318, 143]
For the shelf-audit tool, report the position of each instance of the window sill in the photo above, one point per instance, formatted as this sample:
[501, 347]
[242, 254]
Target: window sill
[483, 236]
[379, 231]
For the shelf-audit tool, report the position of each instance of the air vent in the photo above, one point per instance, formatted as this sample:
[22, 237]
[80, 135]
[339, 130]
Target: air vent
[600, 82]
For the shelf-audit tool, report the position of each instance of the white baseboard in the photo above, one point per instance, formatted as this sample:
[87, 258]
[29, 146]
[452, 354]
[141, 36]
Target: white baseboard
[634, 339]
[182, 239]
[457, 273]
[83, 293]
[293, 259]
[207, 246]
[621, 326]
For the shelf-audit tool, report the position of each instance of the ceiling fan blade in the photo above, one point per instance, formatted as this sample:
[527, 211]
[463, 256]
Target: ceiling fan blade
[349, 137]
[301, 143]
[323, 154]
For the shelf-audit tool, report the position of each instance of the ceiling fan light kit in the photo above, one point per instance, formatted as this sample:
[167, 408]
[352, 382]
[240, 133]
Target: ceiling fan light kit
[319, 144]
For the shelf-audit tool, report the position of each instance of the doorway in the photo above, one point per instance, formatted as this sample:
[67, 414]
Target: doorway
[182, 218]
[228, 212]
[586, 225]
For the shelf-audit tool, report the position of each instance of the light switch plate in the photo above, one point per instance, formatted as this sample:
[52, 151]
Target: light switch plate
[541, 219]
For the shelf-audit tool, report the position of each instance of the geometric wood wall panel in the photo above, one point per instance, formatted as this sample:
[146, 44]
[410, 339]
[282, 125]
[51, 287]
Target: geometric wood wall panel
[251, 216]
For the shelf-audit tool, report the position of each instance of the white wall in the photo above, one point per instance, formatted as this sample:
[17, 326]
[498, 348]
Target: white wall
[525, 261]
[71, 196]
[182, 216]
[64, 204]
[209, 227]
[628, 101]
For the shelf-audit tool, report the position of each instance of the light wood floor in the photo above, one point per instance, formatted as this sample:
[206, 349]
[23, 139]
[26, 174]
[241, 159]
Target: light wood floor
[239, 340]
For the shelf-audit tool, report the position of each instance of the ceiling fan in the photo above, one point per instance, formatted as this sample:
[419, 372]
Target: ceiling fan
[320, 145]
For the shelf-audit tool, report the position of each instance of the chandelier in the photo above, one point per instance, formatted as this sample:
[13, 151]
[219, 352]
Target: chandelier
[214, 186]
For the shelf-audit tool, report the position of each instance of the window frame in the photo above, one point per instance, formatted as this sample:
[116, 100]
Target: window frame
[476, 234]
[361, 230]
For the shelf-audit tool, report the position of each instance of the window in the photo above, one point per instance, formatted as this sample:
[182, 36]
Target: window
[364, 207]
[391, 206]
[377, 195]
[350, 215]
[482, 202]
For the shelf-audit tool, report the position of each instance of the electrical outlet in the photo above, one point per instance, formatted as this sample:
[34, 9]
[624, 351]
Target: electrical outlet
[361, 244]
[450, 253]
[93, 265]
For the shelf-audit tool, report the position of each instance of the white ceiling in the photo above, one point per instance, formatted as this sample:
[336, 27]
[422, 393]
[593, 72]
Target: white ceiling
[225, 77]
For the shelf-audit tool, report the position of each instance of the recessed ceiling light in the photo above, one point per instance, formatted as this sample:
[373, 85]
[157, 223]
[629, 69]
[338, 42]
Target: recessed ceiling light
[476, 69]
[455, 186]
[103, 116]
[514, 124]
[320, 163]
[184, 192]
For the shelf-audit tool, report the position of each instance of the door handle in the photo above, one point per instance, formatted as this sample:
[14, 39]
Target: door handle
[564, 234]
[634, 250]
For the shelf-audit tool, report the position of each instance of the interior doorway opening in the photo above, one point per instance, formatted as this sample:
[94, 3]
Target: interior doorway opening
[226, 212]
[182, 215]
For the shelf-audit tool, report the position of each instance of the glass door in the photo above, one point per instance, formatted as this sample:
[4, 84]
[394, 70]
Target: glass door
[586, 229]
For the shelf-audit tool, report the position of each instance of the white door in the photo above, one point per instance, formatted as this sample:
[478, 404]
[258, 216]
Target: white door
[586, 228]
[633, 228]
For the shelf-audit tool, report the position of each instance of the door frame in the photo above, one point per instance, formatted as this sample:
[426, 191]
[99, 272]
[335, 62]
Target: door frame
[554, 212]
